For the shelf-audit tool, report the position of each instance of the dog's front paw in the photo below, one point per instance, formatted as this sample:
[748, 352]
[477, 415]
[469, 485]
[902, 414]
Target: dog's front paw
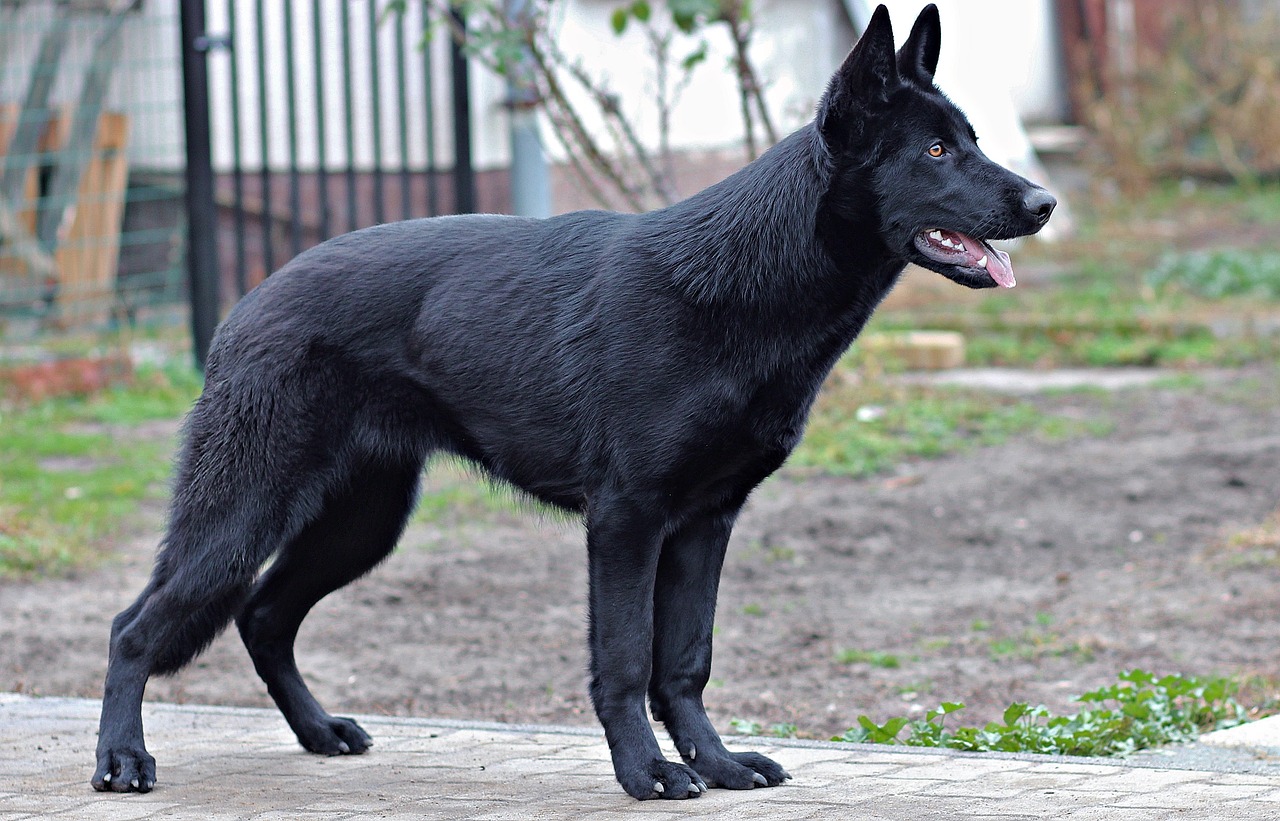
[335, 736]
[740, 771]
[662, 779]
[124, 769]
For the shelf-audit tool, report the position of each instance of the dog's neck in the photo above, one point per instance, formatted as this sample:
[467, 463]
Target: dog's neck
[762, 242]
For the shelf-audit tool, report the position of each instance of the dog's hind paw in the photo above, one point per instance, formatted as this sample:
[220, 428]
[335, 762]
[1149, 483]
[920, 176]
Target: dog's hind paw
[124, 770]
[662, 779]
[740, 771]
[335, 736]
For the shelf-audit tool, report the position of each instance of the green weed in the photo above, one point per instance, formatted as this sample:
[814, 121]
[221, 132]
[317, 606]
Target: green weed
[1138, 712]
[1219, 273]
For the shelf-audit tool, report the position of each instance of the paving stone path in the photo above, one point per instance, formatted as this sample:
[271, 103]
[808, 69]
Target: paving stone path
[229, 763]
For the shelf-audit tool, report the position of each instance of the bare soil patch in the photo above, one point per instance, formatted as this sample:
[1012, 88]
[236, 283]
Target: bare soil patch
[1029, 571]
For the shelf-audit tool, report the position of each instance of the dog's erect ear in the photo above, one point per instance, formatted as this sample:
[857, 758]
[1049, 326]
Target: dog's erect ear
[865, 79]
[918, 58]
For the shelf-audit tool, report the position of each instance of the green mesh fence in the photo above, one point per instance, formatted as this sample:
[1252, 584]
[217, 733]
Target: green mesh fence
[92, 232]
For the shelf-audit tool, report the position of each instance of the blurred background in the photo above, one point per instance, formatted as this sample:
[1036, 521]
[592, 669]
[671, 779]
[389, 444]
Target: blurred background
[159, 156]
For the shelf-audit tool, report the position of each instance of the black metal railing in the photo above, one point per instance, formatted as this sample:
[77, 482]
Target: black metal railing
[382, 161]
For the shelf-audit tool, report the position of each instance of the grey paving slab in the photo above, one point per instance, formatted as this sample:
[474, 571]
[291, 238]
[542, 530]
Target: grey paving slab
[227, 763]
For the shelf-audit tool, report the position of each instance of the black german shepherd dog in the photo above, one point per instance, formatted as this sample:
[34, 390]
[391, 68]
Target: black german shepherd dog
[645, 371]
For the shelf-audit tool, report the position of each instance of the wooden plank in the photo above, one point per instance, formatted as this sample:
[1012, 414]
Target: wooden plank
[919, 350]
[87, 250]
[22, 260]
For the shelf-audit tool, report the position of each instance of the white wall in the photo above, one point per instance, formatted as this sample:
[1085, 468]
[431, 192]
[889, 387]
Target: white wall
[329, 83]
[1005, 43]
[798, 44]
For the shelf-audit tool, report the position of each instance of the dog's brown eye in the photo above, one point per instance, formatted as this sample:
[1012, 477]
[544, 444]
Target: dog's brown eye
[936, 150]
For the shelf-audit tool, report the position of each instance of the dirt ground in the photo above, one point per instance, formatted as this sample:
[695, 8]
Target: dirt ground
[1029, 571]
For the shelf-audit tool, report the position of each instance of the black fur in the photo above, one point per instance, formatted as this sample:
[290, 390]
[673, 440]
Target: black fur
[645, 371]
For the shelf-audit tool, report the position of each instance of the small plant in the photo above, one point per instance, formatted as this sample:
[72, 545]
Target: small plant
[1138, 712]
[875, 658]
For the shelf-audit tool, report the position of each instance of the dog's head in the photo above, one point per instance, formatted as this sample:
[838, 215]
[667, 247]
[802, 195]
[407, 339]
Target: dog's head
[900, 148]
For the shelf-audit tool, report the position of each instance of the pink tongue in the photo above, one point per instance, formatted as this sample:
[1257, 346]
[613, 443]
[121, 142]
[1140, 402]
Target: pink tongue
[998, 265]
[1000, 269]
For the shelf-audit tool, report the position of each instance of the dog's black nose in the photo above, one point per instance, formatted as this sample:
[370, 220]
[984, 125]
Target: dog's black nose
[1039, 203]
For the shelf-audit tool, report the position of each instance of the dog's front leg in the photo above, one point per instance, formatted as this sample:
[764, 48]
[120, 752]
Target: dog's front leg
[688, 578]
[623, 542]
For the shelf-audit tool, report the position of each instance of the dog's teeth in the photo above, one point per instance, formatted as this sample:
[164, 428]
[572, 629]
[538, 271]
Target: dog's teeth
[959, 246]
[982, 263]
[935, 235]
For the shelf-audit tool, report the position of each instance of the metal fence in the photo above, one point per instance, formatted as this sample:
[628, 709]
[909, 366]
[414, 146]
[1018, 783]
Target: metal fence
[169, 153]
[325, 116]
[90, 165]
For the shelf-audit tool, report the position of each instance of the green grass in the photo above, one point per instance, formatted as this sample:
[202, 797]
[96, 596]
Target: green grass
[1219, 273]
[74, 475]
[875, 658]
[453, 492]
[900, 422]
[750, 727]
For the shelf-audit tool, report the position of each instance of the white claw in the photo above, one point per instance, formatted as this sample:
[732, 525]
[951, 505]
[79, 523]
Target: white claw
[134, 783]
[693, 788]
[658, 788]
[106, 779]
[693, 752]
[760, 779]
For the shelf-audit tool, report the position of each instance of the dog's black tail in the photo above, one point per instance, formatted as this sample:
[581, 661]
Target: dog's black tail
[236, 502]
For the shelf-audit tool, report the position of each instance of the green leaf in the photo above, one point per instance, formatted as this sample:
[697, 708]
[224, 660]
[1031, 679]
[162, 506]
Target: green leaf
[619, 20]
[693, 58]
[641, 11]
[1014, 712]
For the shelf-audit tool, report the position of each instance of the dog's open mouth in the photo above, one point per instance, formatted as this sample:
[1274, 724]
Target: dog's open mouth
[955, 248]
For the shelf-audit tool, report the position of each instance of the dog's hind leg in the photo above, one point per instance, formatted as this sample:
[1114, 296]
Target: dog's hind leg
[684, 603]
[194, 591]
[357, 529]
